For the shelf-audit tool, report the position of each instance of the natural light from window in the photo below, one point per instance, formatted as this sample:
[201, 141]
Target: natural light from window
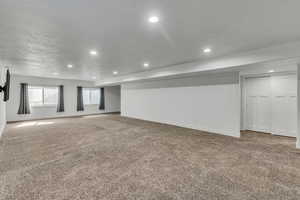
[43, 96]
[91, 96]
[28, 124]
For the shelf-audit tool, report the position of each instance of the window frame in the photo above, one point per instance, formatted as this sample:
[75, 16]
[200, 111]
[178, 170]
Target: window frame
[43, 95]
[90, 95]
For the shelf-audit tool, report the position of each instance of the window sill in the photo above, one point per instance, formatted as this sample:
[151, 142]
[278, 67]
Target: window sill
[43, 106]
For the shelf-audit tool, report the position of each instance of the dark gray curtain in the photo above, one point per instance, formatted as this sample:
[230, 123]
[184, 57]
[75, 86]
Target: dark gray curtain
[24, 107]
[79, 99]
[60, 104]
[102, 99]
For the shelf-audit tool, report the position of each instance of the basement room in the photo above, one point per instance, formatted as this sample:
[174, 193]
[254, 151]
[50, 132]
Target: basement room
[149, 100]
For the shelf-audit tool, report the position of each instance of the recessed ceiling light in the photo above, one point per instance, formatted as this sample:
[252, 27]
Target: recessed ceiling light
[207, 50]
[93, 52]
[153, 19]
[146, 65]
[115, 72]
[271, 71]
[70, 66]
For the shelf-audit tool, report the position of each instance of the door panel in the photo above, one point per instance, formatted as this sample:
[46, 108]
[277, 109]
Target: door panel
[258, 104]
[271, 104]
[263, 114]
[284, 103]
[250, 114]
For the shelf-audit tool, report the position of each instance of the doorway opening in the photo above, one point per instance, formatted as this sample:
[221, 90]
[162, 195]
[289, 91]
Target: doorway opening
[269, 104]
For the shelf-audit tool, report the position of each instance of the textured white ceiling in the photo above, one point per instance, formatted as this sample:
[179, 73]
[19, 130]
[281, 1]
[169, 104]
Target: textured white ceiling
[283, 57]
[42, 37]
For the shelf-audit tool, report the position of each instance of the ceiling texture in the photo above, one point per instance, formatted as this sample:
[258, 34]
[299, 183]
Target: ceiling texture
[41, 37]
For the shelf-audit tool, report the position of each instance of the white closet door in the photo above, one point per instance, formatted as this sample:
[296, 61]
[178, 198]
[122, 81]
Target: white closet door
[284, 105]
[258, 104]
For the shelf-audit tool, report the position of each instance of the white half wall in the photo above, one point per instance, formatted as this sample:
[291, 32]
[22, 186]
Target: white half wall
[2, 103]
[208, 102]
[112, 99]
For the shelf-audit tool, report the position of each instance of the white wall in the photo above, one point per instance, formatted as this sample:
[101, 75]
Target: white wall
[208, 102]
[2, 103]
[112, 99]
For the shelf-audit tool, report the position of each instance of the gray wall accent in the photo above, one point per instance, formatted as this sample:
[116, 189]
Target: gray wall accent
[204, 79]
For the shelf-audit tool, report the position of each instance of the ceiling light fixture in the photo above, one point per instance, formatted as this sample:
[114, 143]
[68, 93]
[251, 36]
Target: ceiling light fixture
[146, 65]
[70, 66]
[207, 50]
[115, 72]
[153, 19]
[271, 71]
[93, 52]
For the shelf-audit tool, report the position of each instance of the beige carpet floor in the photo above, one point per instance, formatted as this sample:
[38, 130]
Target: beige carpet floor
[111, 157]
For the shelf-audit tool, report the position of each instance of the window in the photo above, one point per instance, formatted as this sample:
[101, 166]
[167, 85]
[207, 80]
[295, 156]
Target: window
[91, 96]
[51, 96]
[35, 96]
[42, 96]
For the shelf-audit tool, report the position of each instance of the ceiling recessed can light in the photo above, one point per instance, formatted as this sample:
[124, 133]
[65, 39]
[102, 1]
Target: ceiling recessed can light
[207, 50]
[115, 72]
[93, 52]
[70, 66]
[153, 19]
[271, 71]
[146, 65]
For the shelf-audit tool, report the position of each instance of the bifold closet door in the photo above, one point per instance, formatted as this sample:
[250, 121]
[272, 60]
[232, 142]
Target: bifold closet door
[258, 104]
[284, 105]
